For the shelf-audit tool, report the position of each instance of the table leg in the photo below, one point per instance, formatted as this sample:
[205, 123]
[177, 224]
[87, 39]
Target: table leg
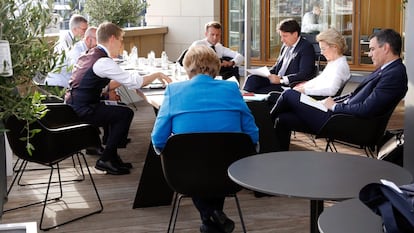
[316, 208]
[267, 137]
[152, 190]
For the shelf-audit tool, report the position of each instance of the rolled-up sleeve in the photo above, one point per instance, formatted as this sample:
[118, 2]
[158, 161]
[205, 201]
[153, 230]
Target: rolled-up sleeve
[107, 68]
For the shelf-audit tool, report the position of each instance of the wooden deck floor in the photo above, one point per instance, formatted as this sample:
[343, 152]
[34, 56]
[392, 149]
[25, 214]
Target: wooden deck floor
[261, 215]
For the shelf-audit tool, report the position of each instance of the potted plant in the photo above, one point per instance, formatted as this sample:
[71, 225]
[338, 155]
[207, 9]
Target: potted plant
[122, 12]
[23, 26]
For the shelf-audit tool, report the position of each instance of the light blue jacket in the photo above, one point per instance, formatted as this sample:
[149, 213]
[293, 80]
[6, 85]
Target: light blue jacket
[202, 104]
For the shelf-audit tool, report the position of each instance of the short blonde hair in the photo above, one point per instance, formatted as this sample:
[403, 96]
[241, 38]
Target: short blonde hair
[332, 37]
[106, 30]
[201, 59]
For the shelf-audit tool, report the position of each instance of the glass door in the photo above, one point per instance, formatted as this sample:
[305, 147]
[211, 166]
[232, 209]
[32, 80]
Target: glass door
[355, 19]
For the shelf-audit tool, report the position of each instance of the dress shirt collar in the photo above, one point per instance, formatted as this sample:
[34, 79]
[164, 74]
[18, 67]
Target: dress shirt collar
[71, 36]
[296, 43]
[386, 64]
[101, 47]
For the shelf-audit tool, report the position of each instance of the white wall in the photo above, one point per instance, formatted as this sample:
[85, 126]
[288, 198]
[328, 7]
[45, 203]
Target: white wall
[185, 20]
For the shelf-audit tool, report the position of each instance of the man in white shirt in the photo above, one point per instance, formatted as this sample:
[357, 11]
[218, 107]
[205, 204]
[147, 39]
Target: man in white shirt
[93, 72]
[78, 25]
[88, 41]
[230, 60]
[311, 22]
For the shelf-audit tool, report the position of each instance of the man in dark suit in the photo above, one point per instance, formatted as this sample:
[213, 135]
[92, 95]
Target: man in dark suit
[380, 92]
[296, 62]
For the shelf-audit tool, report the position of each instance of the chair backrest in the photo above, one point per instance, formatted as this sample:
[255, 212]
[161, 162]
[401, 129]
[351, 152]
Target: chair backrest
[338, 93]
[311, 37]
[195, 164]
[341, 89]
[51, 145]
[181, 57]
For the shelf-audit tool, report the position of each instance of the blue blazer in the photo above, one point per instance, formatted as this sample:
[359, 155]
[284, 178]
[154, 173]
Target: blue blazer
[302, 65]
[202, 104]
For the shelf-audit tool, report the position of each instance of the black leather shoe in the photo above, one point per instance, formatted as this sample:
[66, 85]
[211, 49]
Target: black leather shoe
[223, 222]
[111, 167]
[95, 151]
[209, 227]
[122, 163]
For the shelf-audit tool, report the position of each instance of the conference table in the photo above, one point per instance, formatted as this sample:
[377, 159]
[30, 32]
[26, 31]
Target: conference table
[313, 175]
[349, 216]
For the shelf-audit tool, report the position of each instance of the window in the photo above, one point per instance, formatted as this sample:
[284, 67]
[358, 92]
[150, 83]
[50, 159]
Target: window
[340, 14]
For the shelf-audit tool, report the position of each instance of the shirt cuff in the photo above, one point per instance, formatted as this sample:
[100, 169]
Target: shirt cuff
[284, 80]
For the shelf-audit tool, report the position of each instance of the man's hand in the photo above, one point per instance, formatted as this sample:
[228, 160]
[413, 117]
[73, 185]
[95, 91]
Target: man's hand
[157, 75]
[274, 79]
[329, 103]
[300, 87]
[225, 63]
[164, 78]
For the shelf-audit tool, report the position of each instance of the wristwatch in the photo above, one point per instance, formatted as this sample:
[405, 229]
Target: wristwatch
[281, 80]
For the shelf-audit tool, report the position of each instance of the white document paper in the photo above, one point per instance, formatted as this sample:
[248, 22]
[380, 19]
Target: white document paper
[312, 102]
[262, 71]
[233, 79]
[256, 97]
[391, 185]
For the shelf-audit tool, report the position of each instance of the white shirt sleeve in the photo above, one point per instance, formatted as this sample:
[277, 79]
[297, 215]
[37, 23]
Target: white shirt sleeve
[107, 68]
[226, 52]
[335, 74]
[223, 51]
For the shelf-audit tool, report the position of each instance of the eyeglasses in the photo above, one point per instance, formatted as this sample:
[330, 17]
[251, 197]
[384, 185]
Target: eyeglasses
[327, 47]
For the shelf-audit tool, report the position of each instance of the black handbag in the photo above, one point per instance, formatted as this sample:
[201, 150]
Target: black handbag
[396, 209]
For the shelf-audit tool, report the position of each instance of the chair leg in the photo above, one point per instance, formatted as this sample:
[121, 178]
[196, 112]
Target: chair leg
[17, 176]
[330, 146]
[174, 212]
[60, 184]
[82, 178]
[240, 213]
[369, 153]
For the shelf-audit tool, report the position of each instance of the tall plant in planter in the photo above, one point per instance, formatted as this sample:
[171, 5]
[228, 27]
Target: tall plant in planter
[23, 26]
[120, 12]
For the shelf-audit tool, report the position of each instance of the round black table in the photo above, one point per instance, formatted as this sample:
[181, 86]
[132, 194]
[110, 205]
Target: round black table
[317, 176]
[349, 216]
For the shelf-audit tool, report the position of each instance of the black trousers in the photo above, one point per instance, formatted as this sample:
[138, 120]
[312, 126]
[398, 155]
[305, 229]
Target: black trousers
[117, 120]
[206, 206]
[260, 85]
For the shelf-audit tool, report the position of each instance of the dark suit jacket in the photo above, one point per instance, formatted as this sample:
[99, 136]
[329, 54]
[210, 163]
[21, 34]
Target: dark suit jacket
[378, 93]
[301, 68]
[302, 65]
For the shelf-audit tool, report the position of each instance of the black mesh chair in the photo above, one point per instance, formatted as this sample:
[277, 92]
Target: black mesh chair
[58, 140]
[196, 164]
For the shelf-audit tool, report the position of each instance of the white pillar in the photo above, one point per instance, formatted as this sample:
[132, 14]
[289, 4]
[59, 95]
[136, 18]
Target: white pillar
[409, 98]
